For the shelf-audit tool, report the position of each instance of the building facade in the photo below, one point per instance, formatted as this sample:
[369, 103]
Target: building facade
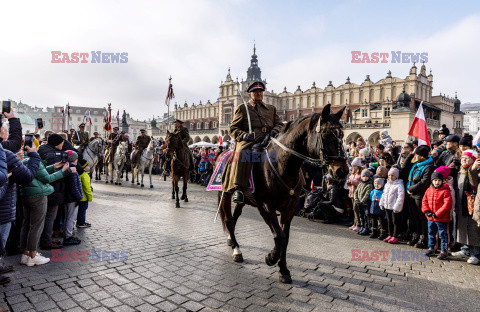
[77, 116]
[389, 103]
[471, 119]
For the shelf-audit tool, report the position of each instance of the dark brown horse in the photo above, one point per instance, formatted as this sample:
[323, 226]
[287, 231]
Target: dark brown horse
[179, 165]
[278, 181]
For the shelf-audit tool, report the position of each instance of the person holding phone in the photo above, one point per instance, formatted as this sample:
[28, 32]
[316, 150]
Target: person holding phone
[11, 138]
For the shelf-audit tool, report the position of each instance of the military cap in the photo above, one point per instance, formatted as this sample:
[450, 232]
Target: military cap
[65, 131]
[142, 130]
[123, 132]
[256, 85]
[115, 128]
[72, 130]
[82, 124]
[178, 120]
[95, 133]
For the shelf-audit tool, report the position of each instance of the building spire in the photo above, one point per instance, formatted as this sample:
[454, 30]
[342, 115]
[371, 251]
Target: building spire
[254, 73]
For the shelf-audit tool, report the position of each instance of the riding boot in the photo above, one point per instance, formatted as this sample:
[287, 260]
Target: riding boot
[238, 197]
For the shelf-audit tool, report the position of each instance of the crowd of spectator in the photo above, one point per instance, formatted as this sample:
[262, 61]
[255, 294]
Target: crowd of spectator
[424, 196]
[44, 193]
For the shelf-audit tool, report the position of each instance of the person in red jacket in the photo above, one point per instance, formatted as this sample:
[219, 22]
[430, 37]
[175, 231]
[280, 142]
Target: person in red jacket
[436, 205]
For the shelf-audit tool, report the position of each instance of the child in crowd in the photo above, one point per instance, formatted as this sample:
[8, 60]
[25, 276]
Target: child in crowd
[382, 172]
[87, 195]
[73, 194]
[436, 205]
[376, 214]
[362, 198]
[392, 202]
[352, 183]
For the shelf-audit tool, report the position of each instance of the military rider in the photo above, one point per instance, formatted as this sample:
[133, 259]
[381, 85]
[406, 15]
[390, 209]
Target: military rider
[264, 120]
[185, 137]
[82, 138]
[142, 143]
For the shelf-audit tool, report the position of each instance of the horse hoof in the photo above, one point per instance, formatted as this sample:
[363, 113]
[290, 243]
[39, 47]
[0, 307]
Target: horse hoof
[186, 199]
[106, 182]
[173, 196]
[133, 182]
[183, 197]
[285, 278]
[138, 183]
[126, 179]
[229, 242]
[268, 261]
[151, 186]
[142, 185]
[238, 258]
[177, 205]
[119, 183]
[116, 183]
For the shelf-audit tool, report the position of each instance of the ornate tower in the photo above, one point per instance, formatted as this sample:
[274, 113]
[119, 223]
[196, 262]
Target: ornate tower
[254, 73]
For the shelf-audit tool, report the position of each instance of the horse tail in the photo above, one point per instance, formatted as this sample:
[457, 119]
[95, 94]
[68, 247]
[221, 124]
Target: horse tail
[226, 205]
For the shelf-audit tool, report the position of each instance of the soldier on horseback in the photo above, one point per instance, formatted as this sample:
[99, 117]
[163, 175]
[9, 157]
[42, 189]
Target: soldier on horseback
[95, 136]
[114, 140]
[82, 138]
[185, 136]
[264, 120]
[142, 143]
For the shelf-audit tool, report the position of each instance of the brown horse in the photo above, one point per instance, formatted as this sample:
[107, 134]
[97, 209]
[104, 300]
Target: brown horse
[278, 180]
[179, 165]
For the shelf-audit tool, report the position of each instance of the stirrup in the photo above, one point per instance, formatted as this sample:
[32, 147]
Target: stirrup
[238, 197]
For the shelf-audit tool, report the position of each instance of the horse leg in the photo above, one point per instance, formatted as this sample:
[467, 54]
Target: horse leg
[150, 174]
[285, 221]
[142, 173]
[173, 188]
[184, 193]
[270, 218]
[177, 204]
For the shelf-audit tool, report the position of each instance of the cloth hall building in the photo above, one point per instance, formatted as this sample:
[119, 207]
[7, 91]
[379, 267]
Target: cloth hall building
[389, 103]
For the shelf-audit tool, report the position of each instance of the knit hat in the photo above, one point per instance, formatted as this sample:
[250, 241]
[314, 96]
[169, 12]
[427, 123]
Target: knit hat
[385, 132]
[415, 142]
[394, 172]
[357, 161]
[437, 175]
[422, 150]
[470, 153]
[364, 152]
[380, 181]
[444, 170]
[54, 139]
[382, 172]
[72, 156]
[466, 140]
[366, 173]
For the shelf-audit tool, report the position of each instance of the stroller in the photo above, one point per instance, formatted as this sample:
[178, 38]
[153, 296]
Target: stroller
[205, 169]
[311, 200]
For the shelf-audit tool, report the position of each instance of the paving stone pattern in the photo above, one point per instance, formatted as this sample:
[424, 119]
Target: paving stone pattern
[178, 261]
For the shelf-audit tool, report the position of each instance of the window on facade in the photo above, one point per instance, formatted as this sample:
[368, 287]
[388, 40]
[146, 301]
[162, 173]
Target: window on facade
[191, 126]
[364, 112]
[199, 125]
[95, 112]
[206, 125]
[78, 111]
[292, 118]
[59, 110]
[96, 128]
[78, 118]
[214, 124]
[96, 120]
[386, 112]
[457, 124]
[227, 115]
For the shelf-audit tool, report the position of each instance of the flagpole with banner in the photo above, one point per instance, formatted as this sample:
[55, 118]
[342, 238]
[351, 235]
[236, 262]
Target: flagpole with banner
[170, 96]
[418, 129]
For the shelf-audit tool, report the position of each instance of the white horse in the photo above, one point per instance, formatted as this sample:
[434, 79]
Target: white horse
[145, 161]
[93, 152]
[118, 162]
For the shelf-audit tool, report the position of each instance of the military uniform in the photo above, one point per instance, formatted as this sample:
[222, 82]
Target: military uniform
[142, 143]
[185, 136]
[264, 119]
[82, 139]
[114, 144]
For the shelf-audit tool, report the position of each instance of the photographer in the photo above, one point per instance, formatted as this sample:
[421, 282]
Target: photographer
[11, 139]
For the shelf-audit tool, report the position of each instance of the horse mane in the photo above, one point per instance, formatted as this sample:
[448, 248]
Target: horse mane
[293, 124]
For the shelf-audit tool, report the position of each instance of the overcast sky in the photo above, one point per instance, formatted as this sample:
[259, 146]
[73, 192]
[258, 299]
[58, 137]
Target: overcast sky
[196, 41]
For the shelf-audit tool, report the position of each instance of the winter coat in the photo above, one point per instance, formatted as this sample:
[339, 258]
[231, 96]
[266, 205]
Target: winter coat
[386, 141]
[438, 201]
[14, 141]
[393, 196]
[22, 175]
[354, 180]
[362, 193]
[73, 191]
[450, 184]
[334, 196]
[40, 185]
[375, 197]
[51, 155]
[312, 199]
[86, 186]
[468, 226]
[419, 178]
[3, 172]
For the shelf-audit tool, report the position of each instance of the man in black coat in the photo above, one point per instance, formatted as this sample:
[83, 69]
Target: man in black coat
[52, 153]
[12, 139]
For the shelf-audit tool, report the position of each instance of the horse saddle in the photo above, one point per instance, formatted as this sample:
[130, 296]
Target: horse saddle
[215, 183]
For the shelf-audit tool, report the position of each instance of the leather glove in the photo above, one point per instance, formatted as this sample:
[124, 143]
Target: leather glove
[273, 133]
[249, 137]
[429, 214]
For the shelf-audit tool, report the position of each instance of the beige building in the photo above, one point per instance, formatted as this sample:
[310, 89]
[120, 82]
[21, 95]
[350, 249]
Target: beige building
[77, 114]
[389, 103]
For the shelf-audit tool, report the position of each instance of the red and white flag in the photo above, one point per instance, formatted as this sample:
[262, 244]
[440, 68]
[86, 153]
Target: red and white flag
[418, 128]
[170, 95]
[220, 138]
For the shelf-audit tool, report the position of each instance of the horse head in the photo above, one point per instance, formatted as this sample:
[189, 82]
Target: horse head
[325, 140]
[122, 149]
[173, 142]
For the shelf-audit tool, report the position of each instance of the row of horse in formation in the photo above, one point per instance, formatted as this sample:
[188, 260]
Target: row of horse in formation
[114, 166]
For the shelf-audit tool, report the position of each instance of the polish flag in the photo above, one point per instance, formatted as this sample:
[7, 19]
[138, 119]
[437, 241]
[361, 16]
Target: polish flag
[220, 138]
[418, 128]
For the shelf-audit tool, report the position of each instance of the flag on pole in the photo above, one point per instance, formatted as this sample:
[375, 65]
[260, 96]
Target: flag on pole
[220, 138]
[118, 118]
[418, 128]
[477, 138]
[89, 118]
[170, 95]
